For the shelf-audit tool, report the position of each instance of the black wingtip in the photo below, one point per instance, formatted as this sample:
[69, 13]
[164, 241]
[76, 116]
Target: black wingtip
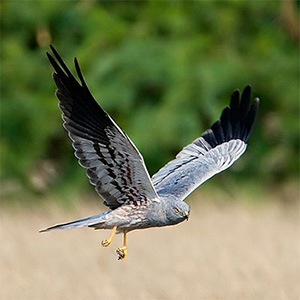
[49, 57]
[55, 52]
[246, 92]
[79, 73]
[236, 121]
[235, 98]
[53, 49]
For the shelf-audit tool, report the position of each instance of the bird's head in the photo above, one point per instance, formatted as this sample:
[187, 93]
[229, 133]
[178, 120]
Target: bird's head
[178, 211]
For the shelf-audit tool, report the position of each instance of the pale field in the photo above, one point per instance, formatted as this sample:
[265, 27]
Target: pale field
[225, 251]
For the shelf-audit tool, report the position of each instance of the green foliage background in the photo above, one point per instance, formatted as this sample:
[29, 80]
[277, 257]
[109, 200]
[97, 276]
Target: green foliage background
[163, 70]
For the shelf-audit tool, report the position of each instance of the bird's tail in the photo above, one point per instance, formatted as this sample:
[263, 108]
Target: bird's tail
[89, 221]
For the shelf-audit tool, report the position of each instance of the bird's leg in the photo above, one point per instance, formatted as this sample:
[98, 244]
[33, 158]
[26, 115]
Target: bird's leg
[122, 252]
[106, 243]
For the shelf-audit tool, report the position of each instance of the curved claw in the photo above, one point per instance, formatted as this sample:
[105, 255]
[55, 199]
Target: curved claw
[122, 253]
[107, 242]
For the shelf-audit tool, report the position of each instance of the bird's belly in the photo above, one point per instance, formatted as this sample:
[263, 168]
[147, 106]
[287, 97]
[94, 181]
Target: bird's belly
[134, 224]
[126, 220]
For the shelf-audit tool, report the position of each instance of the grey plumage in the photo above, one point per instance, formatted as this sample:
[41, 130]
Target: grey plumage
[117, 169]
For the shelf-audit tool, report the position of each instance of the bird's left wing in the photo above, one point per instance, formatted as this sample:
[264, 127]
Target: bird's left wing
[114, 165]
[216, 150]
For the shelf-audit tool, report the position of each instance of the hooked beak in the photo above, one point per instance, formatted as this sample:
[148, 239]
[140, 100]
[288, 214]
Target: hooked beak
[186, 215]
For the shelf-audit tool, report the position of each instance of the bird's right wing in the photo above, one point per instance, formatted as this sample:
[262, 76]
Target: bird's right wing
[216, 150]
[114, 165]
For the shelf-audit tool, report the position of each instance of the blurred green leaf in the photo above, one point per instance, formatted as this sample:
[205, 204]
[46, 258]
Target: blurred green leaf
[163, 70]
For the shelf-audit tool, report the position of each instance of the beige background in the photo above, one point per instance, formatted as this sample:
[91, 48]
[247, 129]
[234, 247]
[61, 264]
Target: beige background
[226, 250]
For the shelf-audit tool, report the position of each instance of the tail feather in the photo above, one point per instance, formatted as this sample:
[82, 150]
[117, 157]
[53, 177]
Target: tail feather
[89, 221]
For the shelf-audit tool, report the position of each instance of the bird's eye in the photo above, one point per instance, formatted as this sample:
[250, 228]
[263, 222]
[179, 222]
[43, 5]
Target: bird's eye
[176, 210]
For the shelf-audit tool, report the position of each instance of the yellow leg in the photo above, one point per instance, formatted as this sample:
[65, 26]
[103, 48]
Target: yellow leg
[122, 252]
[106, 243]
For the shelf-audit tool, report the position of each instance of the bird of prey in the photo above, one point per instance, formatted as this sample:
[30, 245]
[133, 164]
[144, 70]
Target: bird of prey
[117, 170]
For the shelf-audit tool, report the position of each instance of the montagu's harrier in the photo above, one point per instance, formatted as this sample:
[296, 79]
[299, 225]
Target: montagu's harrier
[117, 169]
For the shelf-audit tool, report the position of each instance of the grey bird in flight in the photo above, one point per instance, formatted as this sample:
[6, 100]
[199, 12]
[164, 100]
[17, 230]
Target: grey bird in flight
[117, 169]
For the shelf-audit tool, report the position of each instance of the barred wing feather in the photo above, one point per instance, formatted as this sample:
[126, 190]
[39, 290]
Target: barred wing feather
[215, 151]
[114, 165]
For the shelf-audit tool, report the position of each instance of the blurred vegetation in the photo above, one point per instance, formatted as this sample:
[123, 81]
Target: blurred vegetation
[163, 70]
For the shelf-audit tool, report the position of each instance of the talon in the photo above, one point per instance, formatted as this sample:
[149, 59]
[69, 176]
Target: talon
[106, 243]
[122, 253]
